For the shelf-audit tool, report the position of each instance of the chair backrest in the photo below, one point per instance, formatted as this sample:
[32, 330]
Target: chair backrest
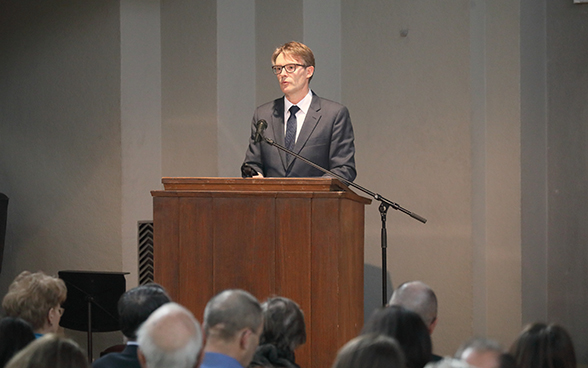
[3, 219]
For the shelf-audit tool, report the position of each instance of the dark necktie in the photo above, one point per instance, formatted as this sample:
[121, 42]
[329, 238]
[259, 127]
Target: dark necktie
[291, 128]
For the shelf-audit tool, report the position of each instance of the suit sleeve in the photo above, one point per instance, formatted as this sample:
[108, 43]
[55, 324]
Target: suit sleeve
[253, 156]
[342, 148]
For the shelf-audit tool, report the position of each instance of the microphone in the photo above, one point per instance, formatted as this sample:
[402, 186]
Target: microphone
[259, 128]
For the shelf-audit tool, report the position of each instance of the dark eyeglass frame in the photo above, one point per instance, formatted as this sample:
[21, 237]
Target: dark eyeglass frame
[277, 69]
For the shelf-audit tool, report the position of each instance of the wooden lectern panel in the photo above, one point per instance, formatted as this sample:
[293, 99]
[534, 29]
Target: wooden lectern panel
[298, 238]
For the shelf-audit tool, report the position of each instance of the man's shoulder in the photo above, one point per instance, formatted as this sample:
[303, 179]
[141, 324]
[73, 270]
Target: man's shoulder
[115, 360]
[272, 104]
[217, 360]
[326, 104]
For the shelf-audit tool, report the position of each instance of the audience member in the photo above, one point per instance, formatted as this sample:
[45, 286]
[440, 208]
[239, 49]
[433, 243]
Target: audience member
[370, 350]
[170, 338]
[506, 360]
[134, 307]
[36, 298]
[407, 328]
[50, 351]
[15, 334]
[284, 330]
[233, 324]
[544, 346]
[480, 353]
[421, 299]
[448, 363]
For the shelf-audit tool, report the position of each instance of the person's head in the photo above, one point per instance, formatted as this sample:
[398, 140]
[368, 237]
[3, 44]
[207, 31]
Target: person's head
[283, 324]
[506, 360]
[407, 328]
[50, 351]
[448, 362]
[137, 304]
[15, 334]
[170, 338]
[544, 346]
[233, 324]
[298, 57]
[419, 298]
[36, 298]
[480, 352]
[371, 350]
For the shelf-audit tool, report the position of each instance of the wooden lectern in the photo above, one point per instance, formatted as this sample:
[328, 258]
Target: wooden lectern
[292, 237]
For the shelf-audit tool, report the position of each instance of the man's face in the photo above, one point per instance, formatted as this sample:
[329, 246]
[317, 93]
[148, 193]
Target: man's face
[294, 85]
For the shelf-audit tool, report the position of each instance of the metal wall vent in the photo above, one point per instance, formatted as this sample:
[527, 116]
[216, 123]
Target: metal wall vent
[145, 252]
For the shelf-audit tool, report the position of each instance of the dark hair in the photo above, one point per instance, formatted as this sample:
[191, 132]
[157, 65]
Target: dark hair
[506, 360]
[231, 311]
[137, 304]
[284, 330]
[15, 334]
[544, 346]
[50, 351]
[283, 324]
[407, 328]
[370, 350]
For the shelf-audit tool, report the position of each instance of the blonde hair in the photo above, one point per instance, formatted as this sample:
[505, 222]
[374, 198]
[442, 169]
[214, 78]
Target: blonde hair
[297, 50]
[50, 351]
[32, 295]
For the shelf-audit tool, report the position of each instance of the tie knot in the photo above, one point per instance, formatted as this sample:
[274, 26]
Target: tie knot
[294, 109]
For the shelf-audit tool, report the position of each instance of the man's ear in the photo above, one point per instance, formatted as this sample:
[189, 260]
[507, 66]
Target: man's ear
[432, 326]
[309, 71]
[141, 358]
[244, 338]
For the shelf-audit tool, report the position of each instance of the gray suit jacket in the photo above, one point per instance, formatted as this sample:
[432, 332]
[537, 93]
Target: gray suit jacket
[326, 139]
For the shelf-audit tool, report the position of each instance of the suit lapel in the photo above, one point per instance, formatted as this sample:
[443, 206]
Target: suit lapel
[312, 118]
[278, 128]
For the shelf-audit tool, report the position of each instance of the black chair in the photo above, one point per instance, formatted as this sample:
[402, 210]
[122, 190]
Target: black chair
[3, 221]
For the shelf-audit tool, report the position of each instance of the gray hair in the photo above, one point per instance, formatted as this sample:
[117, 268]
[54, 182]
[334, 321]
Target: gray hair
[156, 344]
[479, 344]
[231, 311]
[417, 297]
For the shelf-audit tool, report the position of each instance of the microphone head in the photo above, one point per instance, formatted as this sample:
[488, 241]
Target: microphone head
[260, 126]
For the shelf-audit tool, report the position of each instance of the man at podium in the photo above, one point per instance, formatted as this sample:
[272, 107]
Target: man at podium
[315, 128]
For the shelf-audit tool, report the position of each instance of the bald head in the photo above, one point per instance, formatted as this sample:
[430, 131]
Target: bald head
[480, 353]
[419, 298]
[233, 324]
[229, 312]
[170, 338]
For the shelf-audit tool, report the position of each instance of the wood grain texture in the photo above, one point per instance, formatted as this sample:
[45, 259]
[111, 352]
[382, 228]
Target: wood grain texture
[301, 239]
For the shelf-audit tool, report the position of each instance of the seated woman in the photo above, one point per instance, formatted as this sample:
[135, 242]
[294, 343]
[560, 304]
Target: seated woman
[50, 351]
[284, 330]
[15, 334]
[544, 346]
[407, 328]
[371, 350]
[36, 298]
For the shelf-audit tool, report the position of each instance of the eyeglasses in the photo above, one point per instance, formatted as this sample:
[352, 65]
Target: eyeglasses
[290, 68]
[59, 310]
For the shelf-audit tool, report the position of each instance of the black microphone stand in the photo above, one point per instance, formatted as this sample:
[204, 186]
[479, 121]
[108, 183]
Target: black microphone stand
[383, 208]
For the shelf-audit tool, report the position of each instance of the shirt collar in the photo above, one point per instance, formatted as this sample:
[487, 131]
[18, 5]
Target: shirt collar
[304, 104]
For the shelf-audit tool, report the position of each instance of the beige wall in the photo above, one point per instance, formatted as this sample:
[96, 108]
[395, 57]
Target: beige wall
[458, 117]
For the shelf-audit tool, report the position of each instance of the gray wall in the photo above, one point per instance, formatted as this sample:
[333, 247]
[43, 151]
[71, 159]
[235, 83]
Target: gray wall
[469, 113]
[60, 136]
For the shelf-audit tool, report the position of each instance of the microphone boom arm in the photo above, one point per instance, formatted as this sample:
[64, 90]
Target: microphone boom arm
[376, 196]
